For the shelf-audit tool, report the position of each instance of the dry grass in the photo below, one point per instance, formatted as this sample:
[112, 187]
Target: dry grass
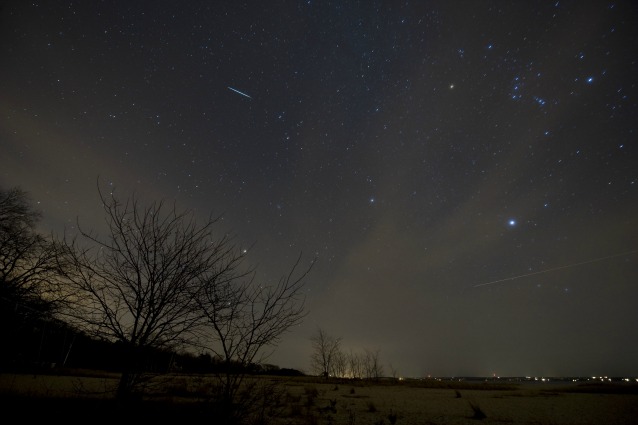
[312, 401]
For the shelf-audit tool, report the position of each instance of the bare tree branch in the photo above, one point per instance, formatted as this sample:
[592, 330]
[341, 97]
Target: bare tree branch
[244, 317]
[139, 284]
[326, 350]
[27, 259]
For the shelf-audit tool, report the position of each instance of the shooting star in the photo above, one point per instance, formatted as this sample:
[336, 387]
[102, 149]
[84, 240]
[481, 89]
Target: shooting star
[556, 268]
[237, 91]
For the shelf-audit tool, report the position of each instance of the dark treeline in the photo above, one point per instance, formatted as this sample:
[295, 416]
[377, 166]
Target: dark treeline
[37, 342]
[138, 300]
[159, 292]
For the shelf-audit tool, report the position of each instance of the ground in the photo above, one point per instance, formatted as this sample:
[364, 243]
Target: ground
[305, 400]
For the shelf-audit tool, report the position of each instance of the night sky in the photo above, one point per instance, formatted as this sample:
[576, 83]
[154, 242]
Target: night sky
[465, 172]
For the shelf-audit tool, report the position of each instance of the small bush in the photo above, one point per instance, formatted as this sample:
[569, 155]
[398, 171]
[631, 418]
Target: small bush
[478, 413]
[392, 417]
[352, 417]
[371, 407]
[293, 398]
[331, 407]
[311, 393]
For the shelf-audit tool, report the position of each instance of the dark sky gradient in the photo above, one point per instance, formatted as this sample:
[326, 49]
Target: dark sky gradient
[417, 148]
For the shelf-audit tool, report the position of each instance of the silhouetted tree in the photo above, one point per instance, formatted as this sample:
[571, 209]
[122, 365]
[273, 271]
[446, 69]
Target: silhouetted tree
[325, 349]
[244, 317]
[27, 259]
[372, 365]
[138, 284]
[27, 282]
[340, 364]
[355, 365]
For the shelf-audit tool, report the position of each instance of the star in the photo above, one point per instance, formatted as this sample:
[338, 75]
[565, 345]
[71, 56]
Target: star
[406, 125]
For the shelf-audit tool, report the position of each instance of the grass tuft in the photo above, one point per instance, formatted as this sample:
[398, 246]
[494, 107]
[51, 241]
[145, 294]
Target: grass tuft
[392, 417]
[478, 413]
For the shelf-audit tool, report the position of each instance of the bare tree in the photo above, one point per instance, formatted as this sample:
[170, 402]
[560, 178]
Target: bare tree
[138, 285]
[324, 350]
[27, 259]
[372, 365]
[394, 373]
[355, 365]
[27, 278]
[340, 364]
[244, 317]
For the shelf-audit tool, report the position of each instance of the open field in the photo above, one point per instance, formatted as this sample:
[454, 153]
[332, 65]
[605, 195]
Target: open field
[305, 400]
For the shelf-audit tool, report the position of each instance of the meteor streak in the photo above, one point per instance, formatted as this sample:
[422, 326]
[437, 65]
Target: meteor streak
[237, 91]
[556, 268]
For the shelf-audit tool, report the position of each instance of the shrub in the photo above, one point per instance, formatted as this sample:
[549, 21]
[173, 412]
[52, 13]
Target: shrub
[478, 413]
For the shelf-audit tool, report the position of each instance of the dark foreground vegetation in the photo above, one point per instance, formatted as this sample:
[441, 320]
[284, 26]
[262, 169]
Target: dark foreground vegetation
[170, 384]
[159, 291]
[29, 409]
[38, 343]
[67, 395]
[80, 396]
